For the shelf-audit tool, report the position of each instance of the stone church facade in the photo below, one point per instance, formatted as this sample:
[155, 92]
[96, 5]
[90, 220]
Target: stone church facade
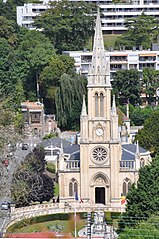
[100, 169]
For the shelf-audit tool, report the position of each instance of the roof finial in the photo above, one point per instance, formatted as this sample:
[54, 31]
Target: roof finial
[84, 111]
[137, 148]
[114, 105]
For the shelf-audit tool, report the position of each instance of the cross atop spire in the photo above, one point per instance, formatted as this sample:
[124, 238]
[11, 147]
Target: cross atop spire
[99, 73]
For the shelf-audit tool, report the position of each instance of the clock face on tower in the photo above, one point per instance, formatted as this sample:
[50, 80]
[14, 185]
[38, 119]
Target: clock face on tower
[99, 155]
[99, 131]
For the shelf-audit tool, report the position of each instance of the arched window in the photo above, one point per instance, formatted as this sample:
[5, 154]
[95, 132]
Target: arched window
[73, 187]
[142, 163]
[129, 186]
[70, 189]
[96, 105]
[126, 186]
[101, 105]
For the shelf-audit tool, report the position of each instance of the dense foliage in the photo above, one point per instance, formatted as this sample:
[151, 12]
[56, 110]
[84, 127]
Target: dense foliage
[138, 115]
[142, 31]
[148, 137]
[68, 24]
[30, 182]
[146, 229]
[126, 86]
[143, 198]
[29, 63]
[150, 83]
[69, 100]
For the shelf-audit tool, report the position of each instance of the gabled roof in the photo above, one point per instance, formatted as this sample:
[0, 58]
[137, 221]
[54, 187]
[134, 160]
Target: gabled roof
[129, 151]
[56, 142]
[74, 151]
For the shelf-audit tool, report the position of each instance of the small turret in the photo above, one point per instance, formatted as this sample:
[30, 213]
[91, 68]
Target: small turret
[84, 111]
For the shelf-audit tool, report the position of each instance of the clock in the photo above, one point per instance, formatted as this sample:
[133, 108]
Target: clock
[99, 131]
[99, 155]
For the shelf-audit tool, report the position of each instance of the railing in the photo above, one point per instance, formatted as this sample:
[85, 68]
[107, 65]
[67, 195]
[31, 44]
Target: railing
[127, 165]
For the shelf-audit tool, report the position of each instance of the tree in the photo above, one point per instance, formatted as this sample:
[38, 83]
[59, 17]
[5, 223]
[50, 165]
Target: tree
[148, 137]
[143, 198]
[32, 55]
[68, 24]
[50, 77]
[139, 115]
[142, 31]
[68, 100]
[126, 86]
[30, 182]
[150, 81]
[149, 228]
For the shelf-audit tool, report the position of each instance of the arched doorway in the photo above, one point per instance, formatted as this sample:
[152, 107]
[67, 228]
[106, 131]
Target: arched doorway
[100, 195]
[100, 188]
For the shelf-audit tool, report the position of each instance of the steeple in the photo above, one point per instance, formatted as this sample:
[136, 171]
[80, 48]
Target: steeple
[84, 111]
[99, 73]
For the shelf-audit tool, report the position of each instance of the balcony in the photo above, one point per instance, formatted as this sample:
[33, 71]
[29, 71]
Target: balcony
[127, 165]
[73, 165]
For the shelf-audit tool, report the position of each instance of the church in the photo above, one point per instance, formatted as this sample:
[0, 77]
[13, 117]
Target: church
[101, 168]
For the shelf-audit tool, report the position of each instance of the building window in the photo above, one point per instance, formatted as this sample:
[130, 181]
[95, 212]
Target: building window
[101, 105]
[96, 105]
[35, 117]
[142, 163]
[126, 186]
[73, 187]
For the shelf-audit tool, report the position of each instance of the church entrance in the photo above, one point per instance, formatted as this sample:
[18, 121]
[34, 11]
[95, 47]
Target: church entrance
[100, 195]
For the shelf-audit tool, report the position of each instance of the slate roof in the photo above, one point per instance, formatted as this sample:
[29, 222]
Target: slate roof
[55, 142]
[129, 151]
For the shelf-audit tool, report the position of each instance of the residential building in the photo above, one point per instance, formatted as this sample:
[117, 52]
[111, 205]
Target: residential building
[37, 124]
[118, 60]
[113, 18]
[101, 168]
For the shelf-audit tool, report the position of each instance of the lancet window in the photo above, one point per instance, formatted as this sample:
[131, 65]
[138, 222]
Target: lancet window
[99, 105]
[73, 187]
[126, 186]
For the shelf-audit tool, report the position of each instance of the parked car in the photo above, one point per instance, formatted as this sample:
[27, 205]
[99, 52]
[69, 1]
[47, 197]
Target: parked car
[5, 206]
[25, 146]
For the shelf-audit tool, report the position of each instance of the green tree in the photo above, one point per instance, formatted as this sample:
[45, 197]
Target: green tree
[142, 31]
[68, 100]
[32, 55]
[146, 229]
[143, 198]
[68, 24]
[50, 77]
[148, 137]
[30, 183]
[150, 81]
[139, 115]
[126, 86]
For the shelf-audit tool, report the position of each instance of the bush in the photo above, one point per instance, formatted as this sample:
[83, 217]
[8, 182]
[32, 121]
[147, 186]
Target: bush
[50, 167]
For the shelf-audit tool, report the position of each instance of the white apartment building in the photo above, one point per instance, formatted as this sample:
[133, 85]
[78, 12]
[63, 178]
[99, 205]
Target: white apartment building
[118, 60]
[113, 18]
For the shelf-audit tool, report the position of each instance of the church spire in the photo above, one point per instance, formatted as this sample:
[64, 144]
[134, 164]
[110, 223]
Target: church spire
[84, 111]
[99, 73]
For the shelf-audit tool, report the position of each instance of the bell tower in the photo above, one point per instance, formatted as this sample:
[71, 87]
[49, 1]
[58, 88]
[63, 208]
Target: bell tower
[99, 145]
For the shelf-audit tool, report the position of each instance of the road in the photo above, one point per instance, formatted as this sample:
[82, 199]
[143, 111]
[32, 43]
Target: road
[14, 160]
